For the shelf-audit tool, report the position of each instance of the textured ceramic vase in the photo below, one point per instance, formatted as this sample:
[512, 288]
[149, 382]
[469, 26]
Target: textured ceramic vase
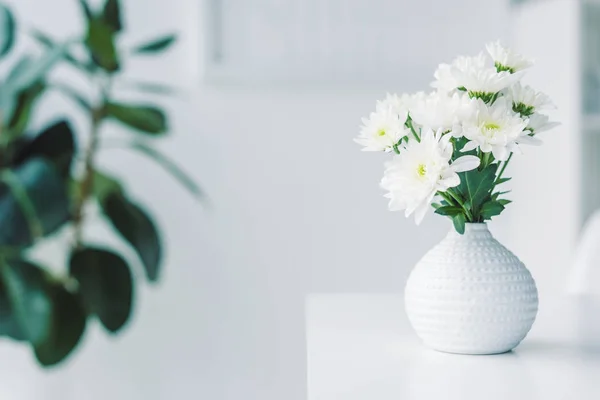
[471, 295]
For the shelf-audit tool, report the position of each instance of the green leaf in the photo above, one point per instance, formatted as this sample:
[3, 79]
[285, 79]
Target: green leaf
[33, 202]
[35, 70]
[55, 143]
[156, 45]
[25, 285]
[21, 116]
[169, 166]
[502, 180]
[9, 326]
[449, 210]
[105, 185]
[7, 34]
[45, 40]
[149, 87]
[147, 119]
[105, 285]
[459, 223]
[111, 15]
[68, 325]
[101, 45]
[476, 186]
[9, 98]
[136, 227]
[491, 209]
[504, 202]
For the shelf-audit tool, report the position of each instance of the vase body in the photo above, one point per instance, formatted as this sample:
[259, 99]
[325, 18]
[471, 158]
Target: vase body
[471, 295]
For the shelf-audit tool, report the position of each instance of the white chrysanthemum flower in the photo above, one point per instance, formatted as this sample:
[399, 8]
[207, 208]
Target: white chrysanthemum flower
[497, 129]
[382, 130]
[420, 171]
[526, 100]
[507, 60]
[439, 110]
[398, 104]
[540, 123]
[445, 80]
[474, 75]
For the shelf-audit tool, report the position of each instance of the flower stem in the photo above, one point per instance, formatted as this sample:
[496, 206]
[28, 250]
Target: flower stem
[412, 129]
[453, 199]
[485, 160]
[502, 169]
[468, 213]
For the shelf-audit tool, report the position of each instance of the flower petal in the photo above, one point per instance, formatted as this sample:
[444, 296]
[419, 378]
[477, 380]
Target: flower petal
[449, 182]
[472, 145]
[500, 153]
[526, 139]
[465, 163]
[422, 209]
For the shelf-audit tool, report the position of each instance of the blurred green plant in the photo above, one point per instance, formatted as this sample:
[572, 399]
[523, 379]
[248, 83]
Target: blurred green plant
[47, 183]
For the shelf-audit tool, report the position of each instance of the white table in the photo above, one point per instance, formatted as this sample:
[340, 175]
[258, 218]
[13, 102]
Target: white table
[362, 347]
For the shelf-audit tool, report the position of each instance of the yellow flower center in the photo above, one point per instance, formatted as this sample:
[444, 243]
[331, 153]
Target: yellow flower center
[381, 132]
[490, 128]
[422, 170]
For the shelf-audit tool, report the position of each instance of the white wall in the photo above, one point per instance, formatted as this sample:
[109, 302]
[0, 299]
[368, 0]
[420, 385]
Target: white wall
[296, 208]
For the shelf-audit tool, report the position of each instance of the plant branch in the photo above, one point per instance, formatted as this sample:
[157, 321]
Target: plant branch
[87, 183]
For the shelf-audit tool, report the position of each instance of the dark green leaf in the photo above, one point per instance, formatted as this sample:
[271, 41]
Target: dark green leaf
[156, 45]
[502, 180]
[32, 306]
[33, 202]
[55, 143]
[476, 186]
[147, 119]
[68, 325]
[7, 34]
[137, 228]
[112, 15]
[449, 210]
[105, 285]
[436, 205]
[9, 326]
[169, 166]
[459, 223]
[101, 44]
[504, 202]
[491, 209]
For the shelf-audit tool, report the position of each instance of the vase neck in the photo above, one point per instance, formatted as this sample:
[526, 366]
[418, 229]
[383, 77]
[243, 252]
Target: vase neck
[473, 230]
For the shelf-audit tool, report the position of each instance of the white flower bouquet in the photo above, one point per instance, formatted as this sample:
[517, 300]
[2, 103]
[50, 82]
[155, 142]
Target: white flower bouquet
[451, 146]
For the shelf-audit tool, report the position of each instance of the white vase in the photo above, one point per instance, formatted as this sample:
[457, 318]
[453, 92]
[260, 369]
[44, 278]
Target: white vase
[471, 295]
